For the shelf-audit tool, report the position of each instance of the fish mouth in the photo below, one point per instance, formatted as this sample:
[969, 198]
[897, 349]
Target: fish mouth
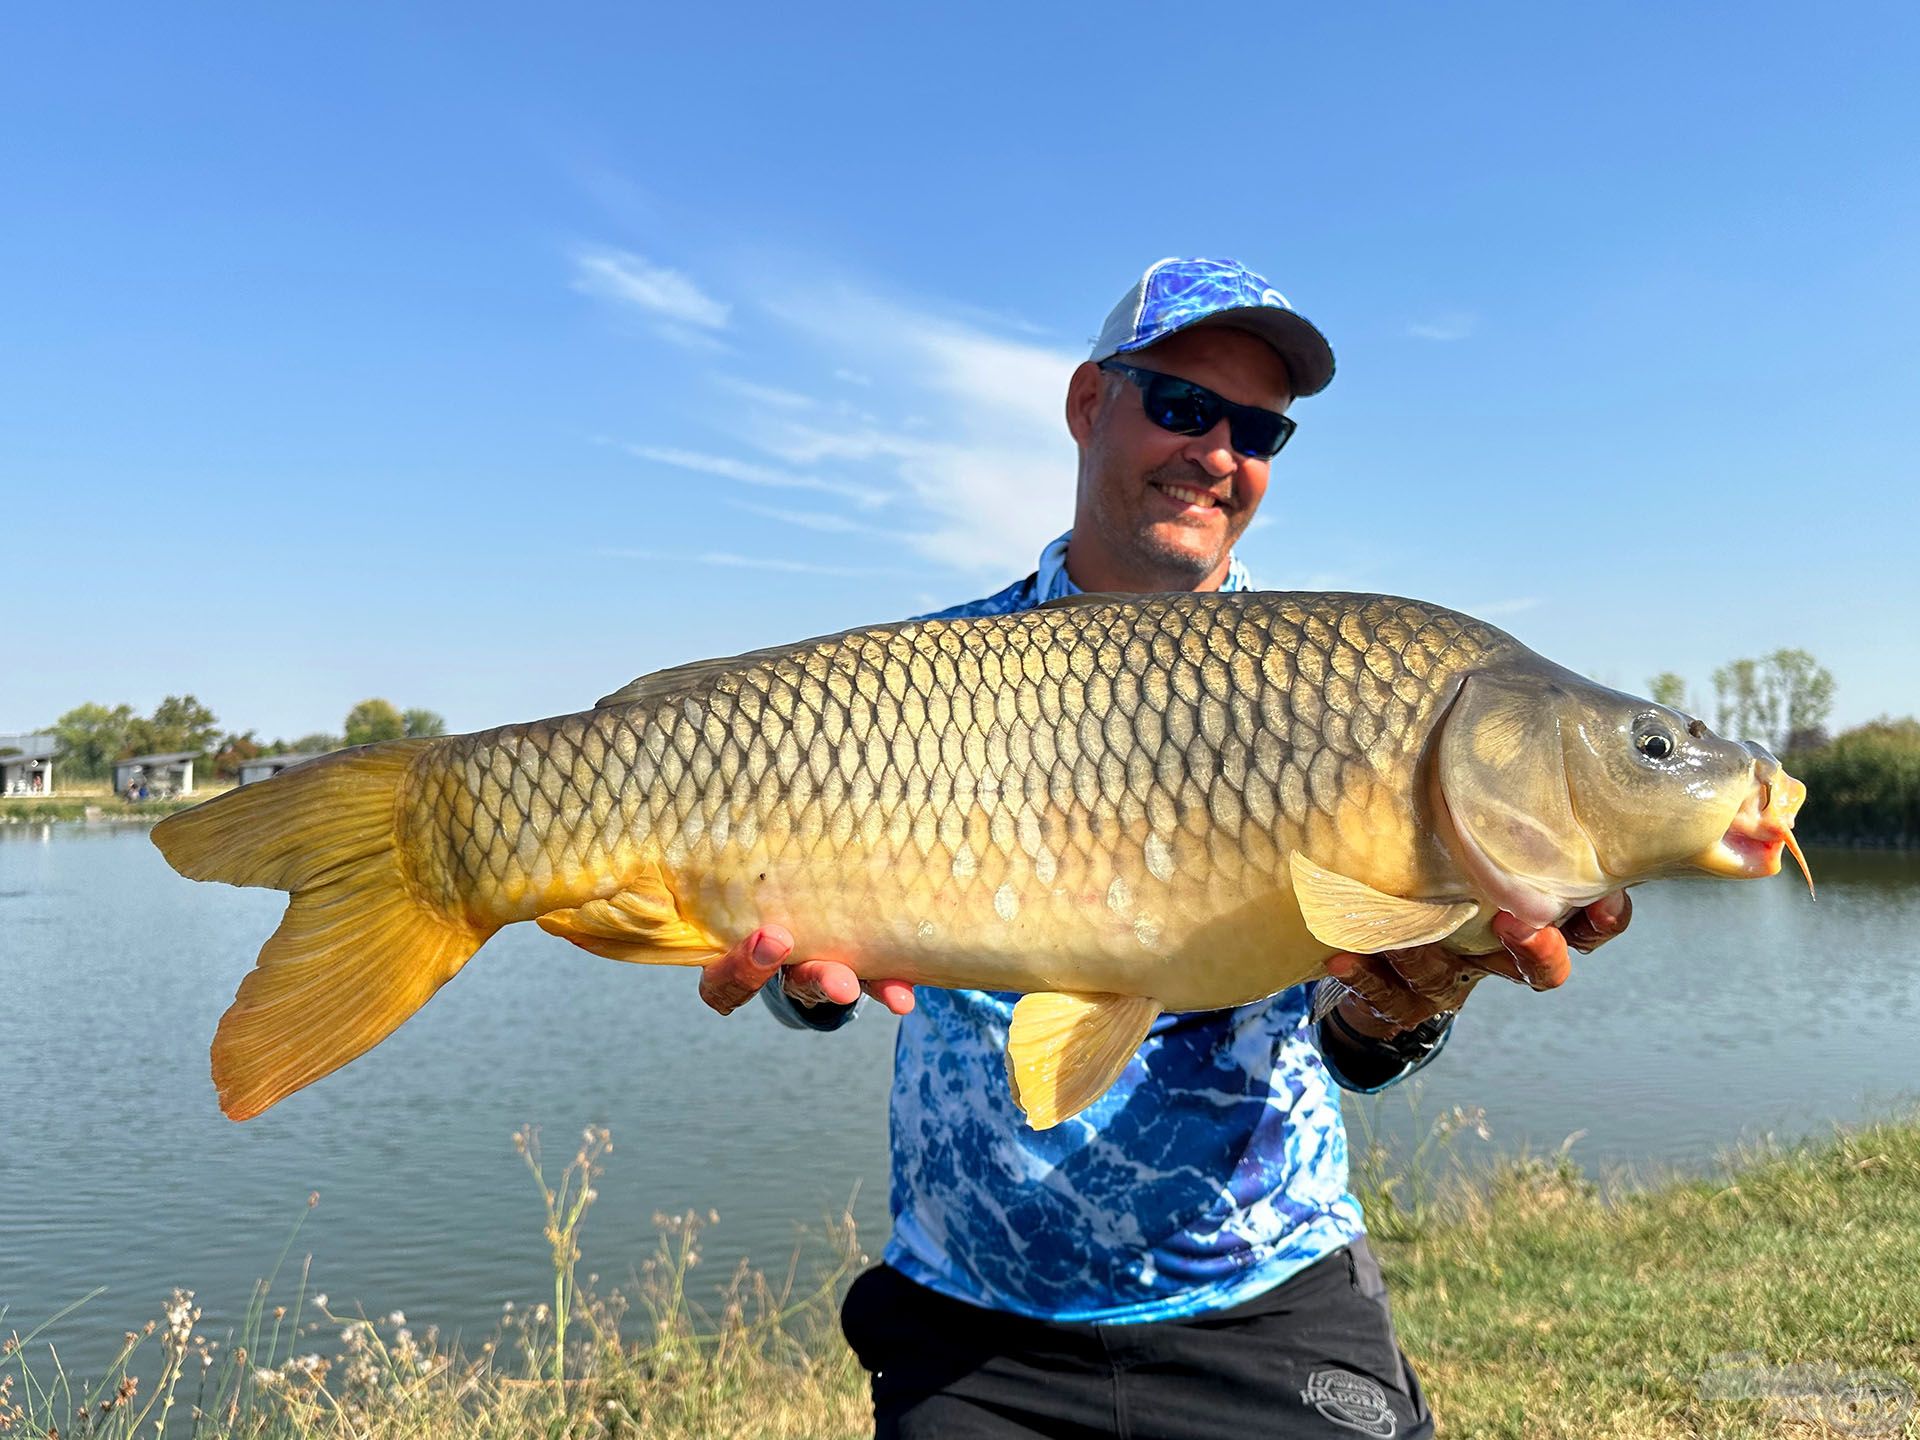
[1762, 828]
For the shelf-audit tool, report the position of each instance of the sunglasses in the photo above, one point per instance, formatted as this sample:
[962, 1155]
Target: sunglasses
[1189, 409]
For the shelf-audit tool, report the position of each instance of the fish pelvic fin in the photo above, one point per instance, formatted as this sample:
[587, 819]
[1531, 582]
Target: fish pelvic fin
[1352, 916]
[641, 922]
[1065, 1051]
[358, 950]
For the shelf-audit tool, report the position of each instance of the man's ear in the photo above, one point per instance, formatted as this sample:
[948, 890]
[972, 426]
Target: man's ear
[1086, 392]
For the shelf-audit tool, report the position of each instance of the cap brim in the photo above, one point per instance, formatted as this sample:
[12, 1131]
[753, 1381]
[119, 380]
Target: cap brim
[1308, 356]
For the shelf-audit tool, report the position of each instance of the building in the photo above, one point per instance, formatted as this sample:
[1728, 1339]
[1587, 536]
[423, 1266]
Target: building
[26, 763]
[265, 767]
[159, 775]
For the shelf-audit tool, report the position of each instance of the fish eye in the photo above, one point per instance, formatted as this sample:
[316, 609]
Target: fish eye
[1652, 738]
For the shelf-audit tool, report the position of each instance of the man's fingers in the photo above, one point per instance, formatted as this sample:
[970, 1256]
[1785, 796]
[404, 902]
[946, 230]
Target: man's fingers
[1385, 1004]
[1587, 930]
[1539, 955]
[896, 995]
[729, 982]
[813, 981]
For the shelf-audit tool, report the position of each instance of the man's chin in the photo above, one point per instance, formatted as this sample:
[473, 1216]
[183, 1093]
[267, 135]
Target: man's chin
[1183, 546]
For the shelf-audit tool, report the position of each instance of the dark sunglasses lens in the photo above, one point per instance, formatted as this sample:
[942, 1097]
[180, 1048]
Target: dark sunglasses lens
[1260, 433]
[1179, 406]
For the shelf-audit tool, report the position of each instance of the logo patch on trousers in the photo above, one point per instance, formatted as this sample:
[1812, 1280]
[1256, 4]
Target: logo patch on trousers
[1351, 1400]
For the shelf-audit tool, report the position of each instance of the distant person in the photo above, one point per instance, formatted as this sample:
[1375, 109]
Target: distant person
[1185, 1258]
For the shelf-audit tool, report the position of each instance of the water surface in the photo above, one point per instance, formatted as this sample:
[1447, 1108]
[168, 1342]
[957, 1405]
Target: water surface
[1728, 1012]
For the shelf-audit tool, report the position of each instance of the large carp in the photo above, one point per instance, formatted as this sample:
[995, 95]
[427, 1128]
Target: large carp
[1118, 805]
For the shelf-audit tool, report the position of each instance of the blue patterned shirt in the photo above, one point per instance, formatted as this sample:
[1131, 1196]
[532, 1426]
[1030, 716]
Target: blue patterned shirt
[1214, 1168]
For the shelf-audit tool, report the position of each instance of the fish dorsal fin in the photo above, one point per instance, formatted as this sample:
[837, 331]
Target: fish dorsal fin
[695, 674]
[1064, 1051]
[1086, 597]
[1350, 915]
[640, 922]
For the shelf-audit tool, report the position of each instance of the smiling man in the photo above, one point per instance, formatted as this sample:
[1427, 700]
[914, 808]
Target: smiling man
[1185, 1258]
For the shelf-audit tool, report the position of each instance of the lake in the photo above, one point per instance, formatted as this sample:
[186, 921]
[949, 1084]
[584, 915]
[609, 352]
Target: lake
[1728, 1012]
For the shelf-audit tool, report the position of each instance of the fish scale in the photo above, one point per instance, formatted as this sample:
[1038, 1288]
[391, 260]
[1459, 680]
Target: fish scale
[950, 799]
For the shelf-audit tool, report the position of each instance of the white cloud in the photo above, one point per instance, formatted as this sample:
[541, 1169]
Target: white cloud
[765, 394]
[665, 295]
[988, 459]
[1452, 325]
[747, 473]
[725, 560]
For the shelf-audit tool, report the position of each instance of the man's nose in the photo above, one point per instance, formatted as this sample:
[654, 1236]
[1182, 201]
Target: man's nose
[1214, 452]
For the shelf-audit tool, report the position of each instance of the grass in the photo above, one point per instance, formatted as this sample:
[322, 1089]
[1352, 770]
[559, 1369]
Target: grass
[1761, 1302]
[74, 802]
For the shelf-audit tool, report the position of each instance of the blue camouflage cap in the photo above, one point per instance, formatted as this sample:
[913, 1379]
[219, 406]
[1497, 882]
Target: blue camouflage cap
[1176, 293]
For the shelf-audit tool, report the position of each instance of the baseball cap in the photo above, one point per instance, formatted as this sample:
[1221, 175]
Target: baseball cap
[1176, 293]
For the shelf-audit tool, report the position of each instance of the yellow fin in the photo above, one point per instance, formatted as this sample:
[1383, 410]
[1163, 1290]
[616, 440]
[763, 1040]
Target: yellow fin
[1064, 1051]
[641, 923]
[1349, 915]
[355, 954]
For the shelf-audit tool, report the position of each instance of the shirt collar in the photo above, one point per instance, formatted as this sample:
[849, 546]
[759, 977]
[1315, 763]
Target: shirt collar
[1050, 580]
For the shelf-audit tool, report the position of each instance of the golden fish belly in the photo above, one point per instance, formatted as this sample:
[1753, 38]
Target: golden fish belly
[1098, 797]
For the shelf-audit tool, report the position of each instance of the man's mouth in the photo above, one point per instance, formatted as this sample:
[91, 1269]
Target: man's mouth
[1192, 495]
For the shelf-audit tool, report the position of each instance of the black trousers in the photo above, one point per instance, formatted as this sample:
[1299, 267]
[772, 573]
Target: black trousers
[1314, 1356]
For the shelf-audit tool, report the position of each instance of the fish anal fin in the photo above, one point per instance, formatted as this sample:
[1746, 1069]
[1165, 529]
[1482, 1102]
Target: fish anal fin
[1351, 915]
[1065, 1051]
[641, 923]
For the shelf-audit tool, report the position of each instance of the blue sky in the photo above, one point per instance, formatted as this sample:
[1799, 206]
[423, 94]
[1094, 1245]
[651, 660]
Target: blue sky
[483, 360]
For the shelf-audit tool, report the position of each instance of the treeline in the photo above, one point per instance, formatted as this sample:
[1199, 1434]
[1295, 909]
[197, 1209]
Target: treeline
[1863, 785]
[95, 736]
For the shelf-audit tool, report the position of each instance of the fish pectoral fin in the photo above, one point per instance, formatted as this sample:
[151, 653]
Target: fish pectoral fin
[1064, 1051]
[640, 923]
[1353, 916]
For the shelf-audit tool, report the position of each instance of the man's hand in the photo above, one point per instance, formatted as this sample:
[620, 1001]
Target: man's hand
[1397, 989]
[736, 977]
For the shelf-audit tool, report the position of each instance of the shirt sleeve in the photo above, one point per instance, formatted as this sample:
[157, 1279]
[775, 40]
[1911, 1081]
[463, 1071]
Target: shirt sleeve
[1367, 1067]
[826, 1016]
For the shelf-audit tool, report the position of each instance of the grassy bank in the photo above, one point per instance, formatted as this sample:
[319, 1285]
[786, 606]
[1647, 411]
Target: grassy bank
[1532, 1305]
[27, 808]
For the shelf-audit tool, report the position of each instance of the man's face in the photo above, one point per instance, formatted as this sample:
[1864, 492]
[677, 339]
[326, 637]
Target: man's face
[1166, 509]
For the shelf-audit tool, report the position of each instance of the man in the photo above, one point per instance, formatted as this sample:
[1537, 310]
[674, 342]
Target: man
[1184, 1259]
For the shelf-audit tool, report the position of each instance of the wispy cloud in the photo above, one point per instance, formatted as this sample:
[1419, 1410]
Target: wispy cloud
[978, 440]
[1451, 325]
[765, 394]
[680, 309]
[746, 472]
[816, 520]
[726, 560]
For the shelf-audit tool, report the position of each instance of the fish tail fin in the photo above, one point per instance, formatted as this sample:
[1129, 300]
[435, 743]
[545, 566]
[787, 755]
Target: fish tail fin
[357, 952]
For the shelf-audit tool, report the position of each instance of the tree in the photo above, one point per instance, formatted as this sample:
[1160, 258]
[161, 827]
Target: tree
[1805, 691]
[372, 720]
[178, 723]
[1736, 692]
[318, 743]
[1670, 690]
[423, 722]
[93, 736]
[234, 752]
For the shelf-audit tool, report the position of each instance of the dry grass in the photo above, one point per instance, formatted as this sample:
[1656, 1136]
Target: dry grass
[1758, 1303]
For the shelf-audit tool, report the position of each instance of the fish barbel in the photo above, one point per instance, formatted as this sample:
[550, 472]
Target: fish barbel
[1116, 804]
